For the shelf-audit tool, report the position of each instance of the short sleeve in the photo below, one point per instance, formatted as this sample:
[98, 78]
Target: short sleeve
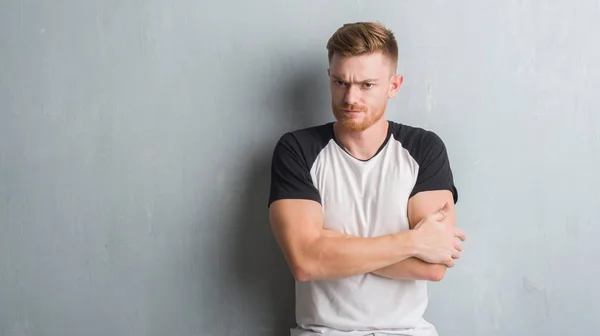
[434, 166]
[290, 172]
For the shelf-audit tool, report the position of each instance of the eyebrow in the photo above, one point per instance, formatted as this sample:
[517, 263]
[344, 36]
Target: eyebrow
[363, 81]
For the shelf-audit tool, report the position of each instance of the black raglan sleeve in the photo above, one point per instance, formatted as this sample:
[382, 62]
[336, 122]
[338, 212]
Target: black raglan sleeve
[434, 166]
[290, 172]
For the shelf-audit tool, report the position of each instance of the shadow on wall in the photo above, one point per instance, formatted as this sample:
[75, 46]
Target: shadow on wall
[260, 268]
[308, 98]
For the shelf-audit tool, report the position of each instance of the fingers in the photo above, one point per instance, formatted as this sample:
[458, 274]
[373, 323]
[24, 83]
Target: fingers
[451, 262]
[456, 255]
[460, 234]
[458, 246]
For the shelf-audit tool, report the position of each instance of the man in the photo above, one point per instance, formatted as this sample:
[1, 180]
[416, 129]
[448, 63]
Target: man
[363, 207]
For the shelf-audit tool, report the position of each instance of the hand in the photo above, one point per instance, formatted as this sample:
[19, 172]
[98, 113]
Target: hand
[435, 241]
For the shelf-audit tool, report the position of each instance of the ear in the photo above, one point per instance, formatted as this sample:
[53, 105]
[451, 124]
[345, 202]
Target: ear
[328, 72]
[395, 85]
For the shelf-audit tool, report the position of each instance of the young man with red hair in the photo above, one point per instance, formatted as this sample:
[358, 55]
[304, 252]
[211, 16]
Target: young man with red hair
[363, 207]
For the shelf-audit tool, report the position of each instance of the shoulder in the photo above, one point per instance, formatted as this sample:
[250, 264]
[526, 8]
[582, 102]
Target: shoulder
[418, 141]
[429, 152]
[306, 142]
[293, 156]
[412, 135]
[310, 136]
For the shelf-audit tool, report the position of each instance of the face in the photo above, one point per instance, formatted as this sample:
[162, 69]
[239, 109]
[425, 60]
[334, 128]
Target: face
[360, 89]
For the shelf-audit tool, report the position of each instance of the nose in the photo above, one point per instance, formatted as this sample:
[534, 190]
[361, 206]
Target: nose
[352, 96]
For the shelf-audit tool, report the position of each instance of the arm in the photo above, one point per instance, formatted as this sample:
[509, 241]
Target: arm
[419, 206]
[296, 218]
[314, 253]
[433, 189]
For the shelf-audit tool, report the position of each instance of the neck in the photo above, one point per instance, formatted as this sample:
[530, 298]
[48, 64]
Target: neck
[363, 145]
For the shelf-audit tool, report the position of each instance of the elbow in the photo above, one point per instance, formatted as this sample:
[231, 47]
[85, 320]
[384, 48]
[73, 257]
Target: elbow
[303, 271]
[436, 273]
[300, 275]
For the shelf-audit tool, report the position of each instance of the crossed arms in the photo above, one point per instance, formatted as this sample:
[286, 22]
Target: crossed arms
[316, 253]
[419, 206]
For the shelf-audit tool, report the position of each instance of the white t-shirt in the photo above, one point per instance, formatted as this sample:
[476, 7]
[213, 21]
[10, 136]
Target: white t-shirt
[366, 198]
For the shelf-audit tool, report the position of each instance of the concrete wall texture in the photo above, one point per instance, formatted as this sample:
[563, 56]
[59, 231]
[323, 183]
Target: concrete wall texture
[136, 137]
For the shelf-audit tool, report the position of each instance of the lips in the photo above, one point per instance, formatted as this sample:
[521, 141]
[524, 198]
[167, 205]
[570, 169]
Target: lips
[352, 109]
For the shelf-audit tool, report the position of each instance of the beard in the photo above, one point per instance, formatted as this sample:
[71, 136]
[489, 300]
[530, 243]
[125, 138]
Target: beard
[360, 122]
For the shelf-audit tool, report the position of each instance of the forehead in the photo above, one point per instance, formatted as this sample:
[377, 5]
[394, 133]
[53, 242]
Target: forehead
[363, 66]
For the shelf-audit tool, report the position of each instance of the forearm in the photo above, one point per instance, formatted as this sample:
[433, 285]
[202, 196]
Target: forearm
[336, 255]
[413, 269]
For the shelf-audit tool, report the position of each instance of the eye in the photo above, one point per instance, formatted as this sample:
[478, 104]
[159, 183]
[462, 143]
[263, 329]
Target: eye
[369, 85]
[339, 82]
